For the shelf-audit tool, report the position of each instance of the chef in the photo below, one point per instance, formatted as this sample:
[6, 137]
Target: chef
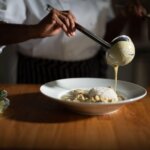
[43, 57]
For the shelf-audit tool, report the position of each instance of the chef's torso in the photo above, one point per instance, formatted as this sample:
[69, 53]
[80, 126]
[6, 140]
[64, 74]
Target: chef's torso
[92, 14]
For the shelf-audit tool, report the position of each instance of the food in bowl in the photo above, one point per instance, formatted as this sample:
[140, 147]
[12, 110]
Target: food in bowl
[94, 95]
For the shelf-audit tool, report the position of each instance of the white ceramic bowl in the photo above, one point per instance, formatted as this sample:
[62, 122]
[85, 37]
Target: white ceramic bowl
[55, 89]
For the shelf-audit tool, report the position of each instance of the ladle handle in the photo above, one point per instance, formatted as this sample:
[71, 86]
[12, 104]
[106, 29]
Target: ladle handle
[93, 36]
[87, 32]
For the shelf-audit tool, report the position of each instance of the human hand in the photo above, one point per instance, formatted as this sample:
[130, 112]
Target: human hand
[56, 21]
[130, 8]
[135, 8]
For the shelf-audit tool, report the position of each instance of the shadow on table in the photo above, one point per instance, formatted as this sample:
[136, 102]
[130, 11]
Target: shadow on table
[35, 107]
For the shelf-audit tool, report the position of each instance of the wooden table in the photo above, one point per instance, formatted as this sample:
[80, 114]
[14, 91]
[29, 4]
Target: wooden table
[33, 121]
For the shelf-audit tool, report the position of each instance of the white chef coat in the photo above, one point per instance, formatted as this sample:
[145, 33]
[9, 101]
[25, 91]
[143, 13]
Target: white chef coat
[92, 14]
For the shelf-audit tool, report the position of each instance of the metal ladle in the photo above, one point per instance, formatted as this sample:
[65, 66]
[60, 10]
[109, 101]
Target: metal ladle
[119, 56]
[120, 51]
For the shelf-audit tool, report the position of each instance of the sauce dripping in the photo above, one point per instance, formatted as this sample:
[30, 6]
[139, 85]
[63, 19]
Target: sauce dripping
[121, 53]
[116, 76]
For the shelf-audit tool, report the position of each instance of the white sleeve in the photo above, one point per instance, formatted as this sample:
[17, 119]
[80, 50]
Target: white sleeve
[12, 11]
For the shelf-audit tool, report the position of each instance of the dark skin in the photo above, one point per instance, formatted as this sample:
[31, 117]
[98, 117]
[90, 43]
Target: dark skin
[51, 25]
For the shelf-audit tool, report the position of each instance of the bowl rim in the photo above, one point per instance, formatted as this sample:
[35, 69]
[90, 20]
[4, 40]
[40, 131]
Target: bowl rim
[126, 101]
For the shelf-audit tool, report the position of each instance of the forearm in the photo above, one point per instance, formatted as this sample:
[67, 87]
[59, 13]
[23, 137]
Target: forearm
[14, 33]
[50, 25]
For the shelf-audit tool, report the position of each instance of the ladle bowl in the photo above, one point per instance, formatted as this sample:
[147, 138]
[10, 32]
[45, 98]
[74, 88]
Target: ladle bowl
[122, 51]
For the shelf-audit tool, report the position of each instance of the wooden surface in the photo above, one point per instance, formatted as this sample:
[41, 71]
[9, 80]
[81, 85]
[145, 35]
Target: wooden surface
[33, 121]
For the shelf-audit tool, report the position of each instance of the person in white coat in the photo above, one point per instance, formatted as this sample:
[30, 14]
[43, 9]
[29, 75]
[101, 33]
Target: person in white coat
[43, 57]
